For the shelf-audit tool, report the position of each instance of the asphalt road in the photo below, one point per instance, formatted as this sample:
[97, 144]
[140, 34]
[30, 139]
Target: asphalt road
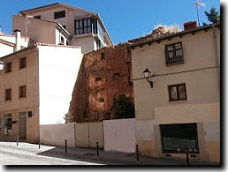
[10, 155]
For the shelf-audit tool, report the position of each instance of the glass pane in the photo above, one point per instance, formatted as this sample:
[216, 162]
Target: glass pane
[85, 22]
[81, 23]
[170, 55]
[173, 93]
[179, 53]
[179, 136]
[178, 46]
[170, 48]
[89, 30]
[89, 22]
[77, 24]
[182, 92]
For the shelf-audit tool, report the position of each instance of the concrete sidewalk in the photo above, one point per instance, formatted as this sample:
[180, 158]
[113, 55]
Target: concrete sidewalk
[90, 155]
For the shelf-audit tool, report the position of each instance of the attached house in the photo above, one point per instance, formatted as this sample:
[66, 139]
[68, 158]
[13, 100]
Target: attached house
[176, 81]
[42, 31]
[35, 88]
[85, 27]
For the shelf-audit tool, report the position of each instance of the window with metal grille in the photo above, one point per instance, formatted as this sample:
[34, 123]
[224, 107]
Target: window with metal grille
[177, 92]
[174, 53]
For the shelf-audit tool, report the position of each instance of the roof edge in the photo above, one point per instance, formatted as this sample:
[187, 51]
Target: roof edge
[133, 45]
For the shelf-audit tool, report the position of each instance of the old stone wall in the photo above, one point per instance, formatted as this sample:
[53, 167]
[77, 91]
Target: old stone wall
[103, 76]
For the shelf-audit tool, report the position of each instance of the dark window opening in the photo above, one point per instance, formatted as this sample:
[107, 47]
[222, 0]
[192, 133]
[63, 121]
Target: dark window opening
[86, 25]
[179, 138]
[8, 94]
[62, 40]
[22, 91]
[29, 113]
[103, 56]
[100, 100]
[98, 79]
[8, 67]
[177, 92]
[116, 74]
[174, 53]
[59, 14]
[98, 42]
[22, 63]
[64, 26]
[37, 17]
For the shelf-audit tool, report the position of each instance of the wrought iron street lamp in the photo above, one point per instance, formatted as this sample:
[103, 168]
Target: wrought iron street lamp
[148, 76]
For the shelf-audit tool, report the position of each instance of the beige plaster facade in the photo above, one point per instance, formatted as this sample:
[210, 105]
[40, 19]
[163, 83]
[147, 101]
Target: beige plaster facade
[88, 41]
[200, 72]
[42, 101]
[13, 80]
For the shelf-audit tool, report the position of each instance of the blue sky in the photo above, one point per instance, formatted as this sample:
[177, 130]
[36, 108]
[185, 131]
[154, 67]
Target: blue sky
[124, 19]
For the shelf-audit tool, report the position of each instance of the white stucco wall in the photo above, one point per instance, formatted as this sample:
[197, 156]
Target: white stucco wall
[5, 49]
[119, 135]
[58, 69]
[57, 133]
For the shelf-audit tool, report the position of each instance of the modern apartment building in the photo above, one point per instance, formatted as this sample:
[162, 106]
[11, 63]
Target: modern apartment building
[177, 93]
[85, 27]
[36, 84]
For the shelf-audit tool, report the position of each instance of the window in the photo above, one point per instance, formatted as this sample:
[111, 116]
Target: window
[100, 100]
[62, 40]
[117, 74]
[7, 123]
[98, 79]
[8, 67]
[37, 17]
[179, 137]
[103, 56]
[8, 94]
[22, 63]
[22, 91]
[177, 92]
[64, 26]
[86, 25]
[59, 14]
[174, 53]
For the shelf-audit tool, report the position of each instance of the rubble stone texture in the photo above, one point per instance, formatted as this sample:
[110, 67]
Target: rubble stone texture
[103, 76]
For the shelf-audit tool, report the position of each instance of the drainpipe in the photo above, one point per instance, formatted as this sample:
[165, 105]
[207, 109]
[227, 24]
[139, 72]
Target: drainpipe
[18, 39]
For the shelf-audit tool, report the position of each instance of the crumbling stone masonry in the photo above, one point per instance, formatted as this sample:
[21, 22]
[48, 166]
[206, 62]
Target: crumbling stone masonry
[103, 76]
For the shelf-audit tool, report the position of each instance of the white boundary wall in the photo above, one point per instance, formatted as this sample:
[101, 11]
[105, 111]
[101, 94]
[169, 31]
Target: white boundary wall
[57, 133]
[119, 135]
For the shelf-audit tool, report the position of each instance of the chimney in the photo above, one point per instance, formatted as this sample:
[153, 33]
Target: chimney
[18, 39]
[190, 25]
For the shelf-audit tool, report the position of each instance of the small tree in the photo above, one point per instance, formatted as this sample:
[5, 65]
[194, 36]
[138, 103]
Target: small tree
[213, 16]
[124, 107]
[68, 117]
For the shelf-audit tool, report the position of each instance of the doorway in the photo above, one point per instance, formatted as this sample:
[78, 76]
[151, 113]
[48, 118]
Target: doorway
[22, 125]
